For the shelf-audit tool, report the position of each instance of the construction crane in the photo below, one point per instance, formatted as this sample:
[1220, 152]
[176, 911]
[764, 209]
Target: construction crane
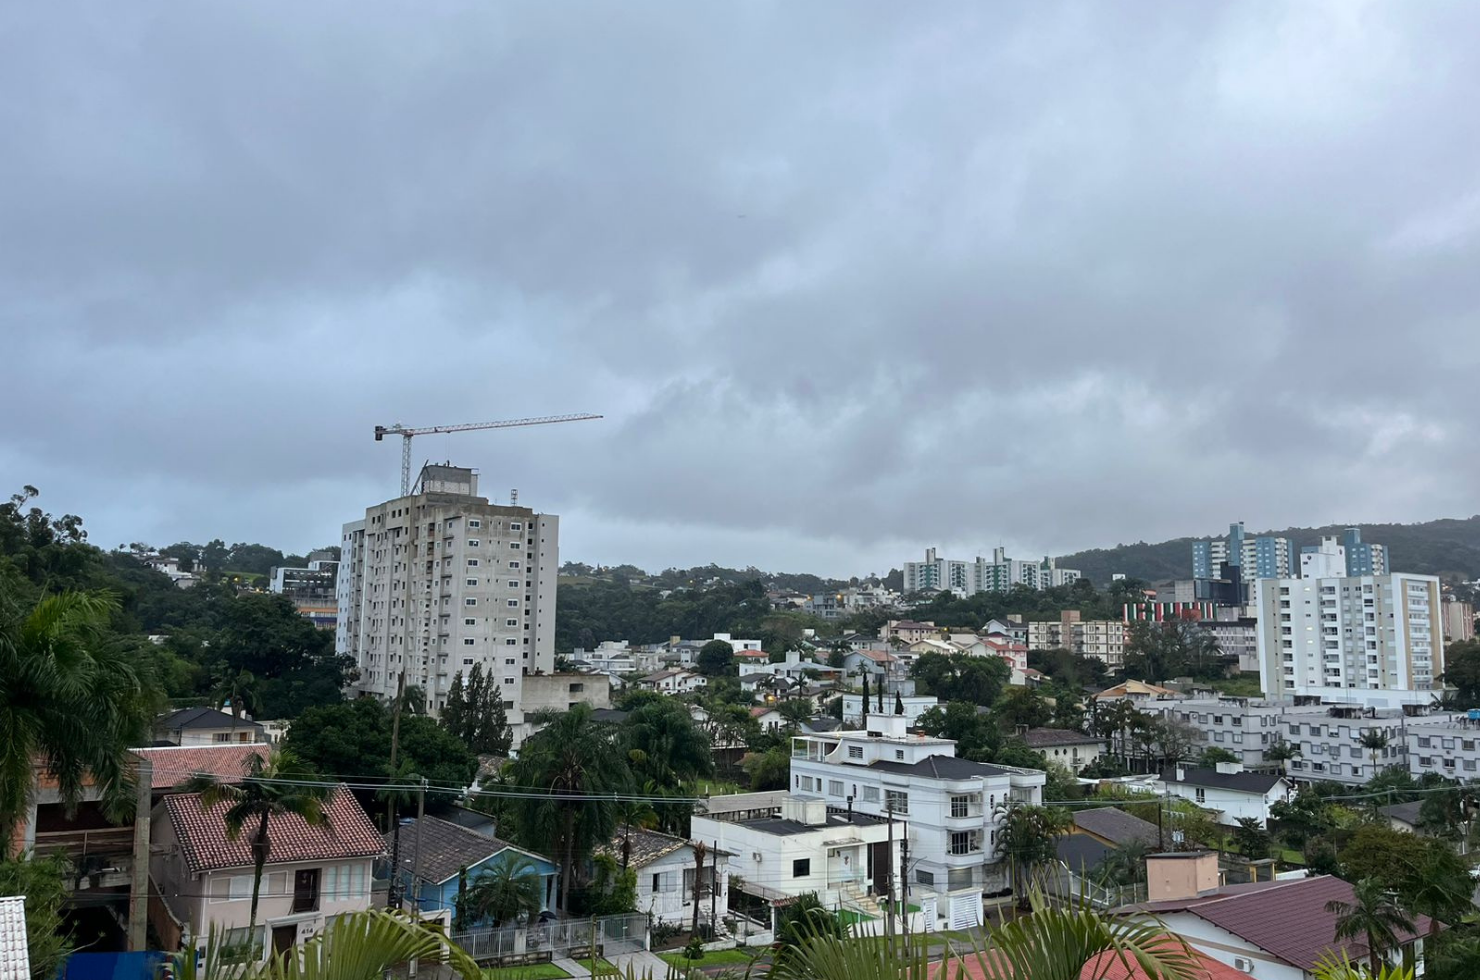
[406, 433]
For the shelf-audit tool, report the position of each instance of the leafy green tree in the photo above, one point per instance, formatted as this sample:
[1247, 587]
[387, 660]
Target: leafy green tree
[69, 701]
[503, 891]
[1123, 866]
[613, 888]
[979, 680]
[1379, 853]
[1437, 885]
[1374, 917]
[976, 736]
[277, 788]
[1155, 651]
[1252, 840]
[715, 658]
[770, 769]
[794, 712]
[1026, 837]
[43, 883]
[1214, 754]
[581, 767]
[475, 713]
[800, 924]
[1462, 670]
[1021, 707]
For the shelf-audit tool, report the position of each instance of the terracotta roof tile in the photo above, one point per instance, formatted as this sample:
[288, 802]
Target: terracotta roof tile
[345, 833]
[173, 765]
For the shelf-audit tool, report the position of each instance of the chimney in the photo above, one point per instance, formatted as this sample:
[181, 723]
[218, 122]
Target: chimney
[1181, 773]
[1181, 874]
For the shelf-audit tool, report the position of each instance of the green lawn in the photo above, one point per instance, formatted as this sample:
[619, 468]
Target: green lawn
[1243, 686]
[535, 971]
[718, 957]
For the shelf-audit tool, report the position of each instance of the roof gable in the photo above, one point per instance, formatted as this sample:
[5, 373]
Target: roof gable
[446, 848]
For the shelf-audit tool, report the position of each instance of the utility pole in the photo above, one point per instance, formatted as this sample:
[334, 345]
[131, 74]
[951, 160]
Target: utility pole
[714, 892]
[904, 885]
[421, 812]
[888, 861]
[138, 891]
[393, 893]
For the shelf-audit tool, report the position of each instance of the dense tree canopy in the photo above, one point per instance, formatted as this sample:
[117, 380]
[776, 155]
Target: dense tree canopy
[979, 680]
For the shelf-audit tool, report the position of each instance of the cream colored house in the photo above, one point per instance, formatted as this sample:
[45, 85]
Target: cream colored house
[313, 873]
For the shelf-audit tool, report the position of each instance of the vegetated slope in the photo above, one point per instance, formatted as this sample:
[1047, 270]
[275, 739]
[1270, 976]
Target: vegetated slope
[1449, 548]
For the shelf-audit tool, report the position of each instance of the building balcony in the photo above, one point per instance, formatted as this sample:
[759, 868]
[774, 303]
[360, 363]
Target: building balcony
[78, 844]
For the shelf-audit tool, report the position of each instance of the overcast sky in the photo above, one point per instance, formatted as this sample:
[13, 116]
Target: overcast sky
[845, 279]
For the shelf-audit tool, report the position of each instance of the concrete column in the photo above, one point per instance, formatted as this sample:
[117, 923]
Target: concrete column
[138, 894]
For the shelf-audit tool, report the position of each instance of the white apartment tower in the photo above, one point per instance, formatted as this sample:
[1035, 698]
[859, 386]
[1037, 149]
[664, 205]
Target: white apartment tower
[1373, 632]
[438, 581]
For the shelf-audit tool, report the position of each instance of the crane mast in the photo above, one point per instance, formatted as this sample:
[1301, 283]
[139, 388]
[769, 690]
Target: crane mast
[408, 432]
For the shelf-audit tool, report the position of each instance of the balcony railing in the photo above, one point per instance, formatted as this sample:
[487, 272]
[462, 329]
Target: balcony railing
[75, 843]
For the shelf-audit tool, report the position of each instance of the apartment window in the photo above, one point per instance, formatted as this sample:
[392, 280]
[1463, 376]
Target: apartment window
[468, 641]
[834, 787]
[511, 642]
[960, 806]
[467, 661]
[513, 585]
[472, 563]
[574, 688]
[472, 542]
[475, 523]
[855, 751]
[470, 622]
[871, 794]
[509, 662]
[801, 867]
[897, 800]
[305, 890]
[515, 526]
[1202, 795]
[513, 603]
[471, 581]
[1423, 742]
[513, 564]
[470, 601]
[511, 622]
[965, 842]
[924, 877]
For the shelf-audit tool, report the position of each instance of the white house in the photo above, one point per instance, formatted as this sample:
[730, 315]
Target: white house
[673, 681]
[804, 845]
[951, 805]
[1227, 789]
[1071, 749]
[667, 873]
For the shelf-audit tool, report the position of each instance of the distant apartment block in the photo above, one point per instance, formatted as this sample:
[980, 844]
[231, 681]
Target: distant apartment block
[439, 581]
[970, 577]
[313, 590]
[1459, 620]
[1103, 639]
[1256, 557]
[1373, 632]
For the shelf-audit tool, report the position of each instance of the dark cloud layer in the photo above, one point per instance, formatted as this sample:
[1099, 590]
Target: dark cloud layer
[846, 279]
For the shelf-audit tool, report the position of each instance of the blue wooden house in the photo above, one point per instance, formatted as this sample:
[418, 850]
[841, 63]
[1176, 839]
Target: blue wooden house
[446, 849]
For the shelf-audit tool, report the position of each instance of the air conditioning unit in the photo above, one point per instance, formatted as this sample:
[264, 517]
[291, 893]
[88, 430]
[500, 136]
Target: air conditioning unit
[1243, 963]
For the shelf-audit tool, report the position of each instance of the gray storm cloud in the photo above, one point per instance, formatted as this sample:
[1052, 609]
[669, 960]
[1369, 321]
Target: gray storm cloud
[846, 279]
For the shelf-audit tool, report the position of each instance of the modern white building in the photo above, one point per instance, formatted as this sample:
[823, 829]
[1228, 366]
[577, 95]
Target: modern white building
[951, 805]
[313, 589]
[433, 583]
[803, 844]
[1448, 745]
[1374, 632]
[669, 881]
[914, 705]
[970, 577]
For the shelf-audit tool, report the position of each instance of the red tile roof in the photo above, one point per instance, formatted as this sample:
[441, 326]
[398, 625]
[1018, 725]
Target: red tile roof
[1285, 918]
[173, 765]
[345, 833]
[1106, 966]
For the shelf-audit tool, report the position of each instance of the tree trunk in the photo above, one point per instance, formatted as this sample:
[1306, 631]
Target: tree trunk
[698, 885]
[567, 857]
[1374, 959]
[261, 845]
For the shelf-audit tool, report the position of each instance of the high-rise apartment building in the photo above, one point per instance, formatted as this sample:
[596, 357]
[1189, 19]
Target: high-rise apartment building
[434, 583]
[1375, 632]
[1262, 557]
[1363, 558]
[970, 577]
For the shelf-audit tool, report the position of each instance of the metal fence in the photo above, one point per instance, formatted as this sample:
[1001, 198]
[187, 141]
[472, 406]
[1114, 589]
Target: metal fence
[572, 938]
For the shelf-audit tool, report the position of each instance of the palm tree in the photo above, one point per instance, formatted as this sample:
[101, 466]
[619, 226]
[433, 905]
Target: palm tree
[1374, 916]
[1282, 752]
[572, 756]
[271, 789]
[1331, 967]
[1050, 943]
[1026, 837]
[1374, 740]
[503, 892]
[70, 701]
[355, 946]
[1439, 886]
[634, 813]
[701, 850]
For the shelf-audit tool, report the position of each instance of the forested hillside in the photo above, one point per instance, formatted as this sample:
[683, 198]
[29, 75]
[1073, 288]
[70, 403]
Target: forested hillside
[1448, 548]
